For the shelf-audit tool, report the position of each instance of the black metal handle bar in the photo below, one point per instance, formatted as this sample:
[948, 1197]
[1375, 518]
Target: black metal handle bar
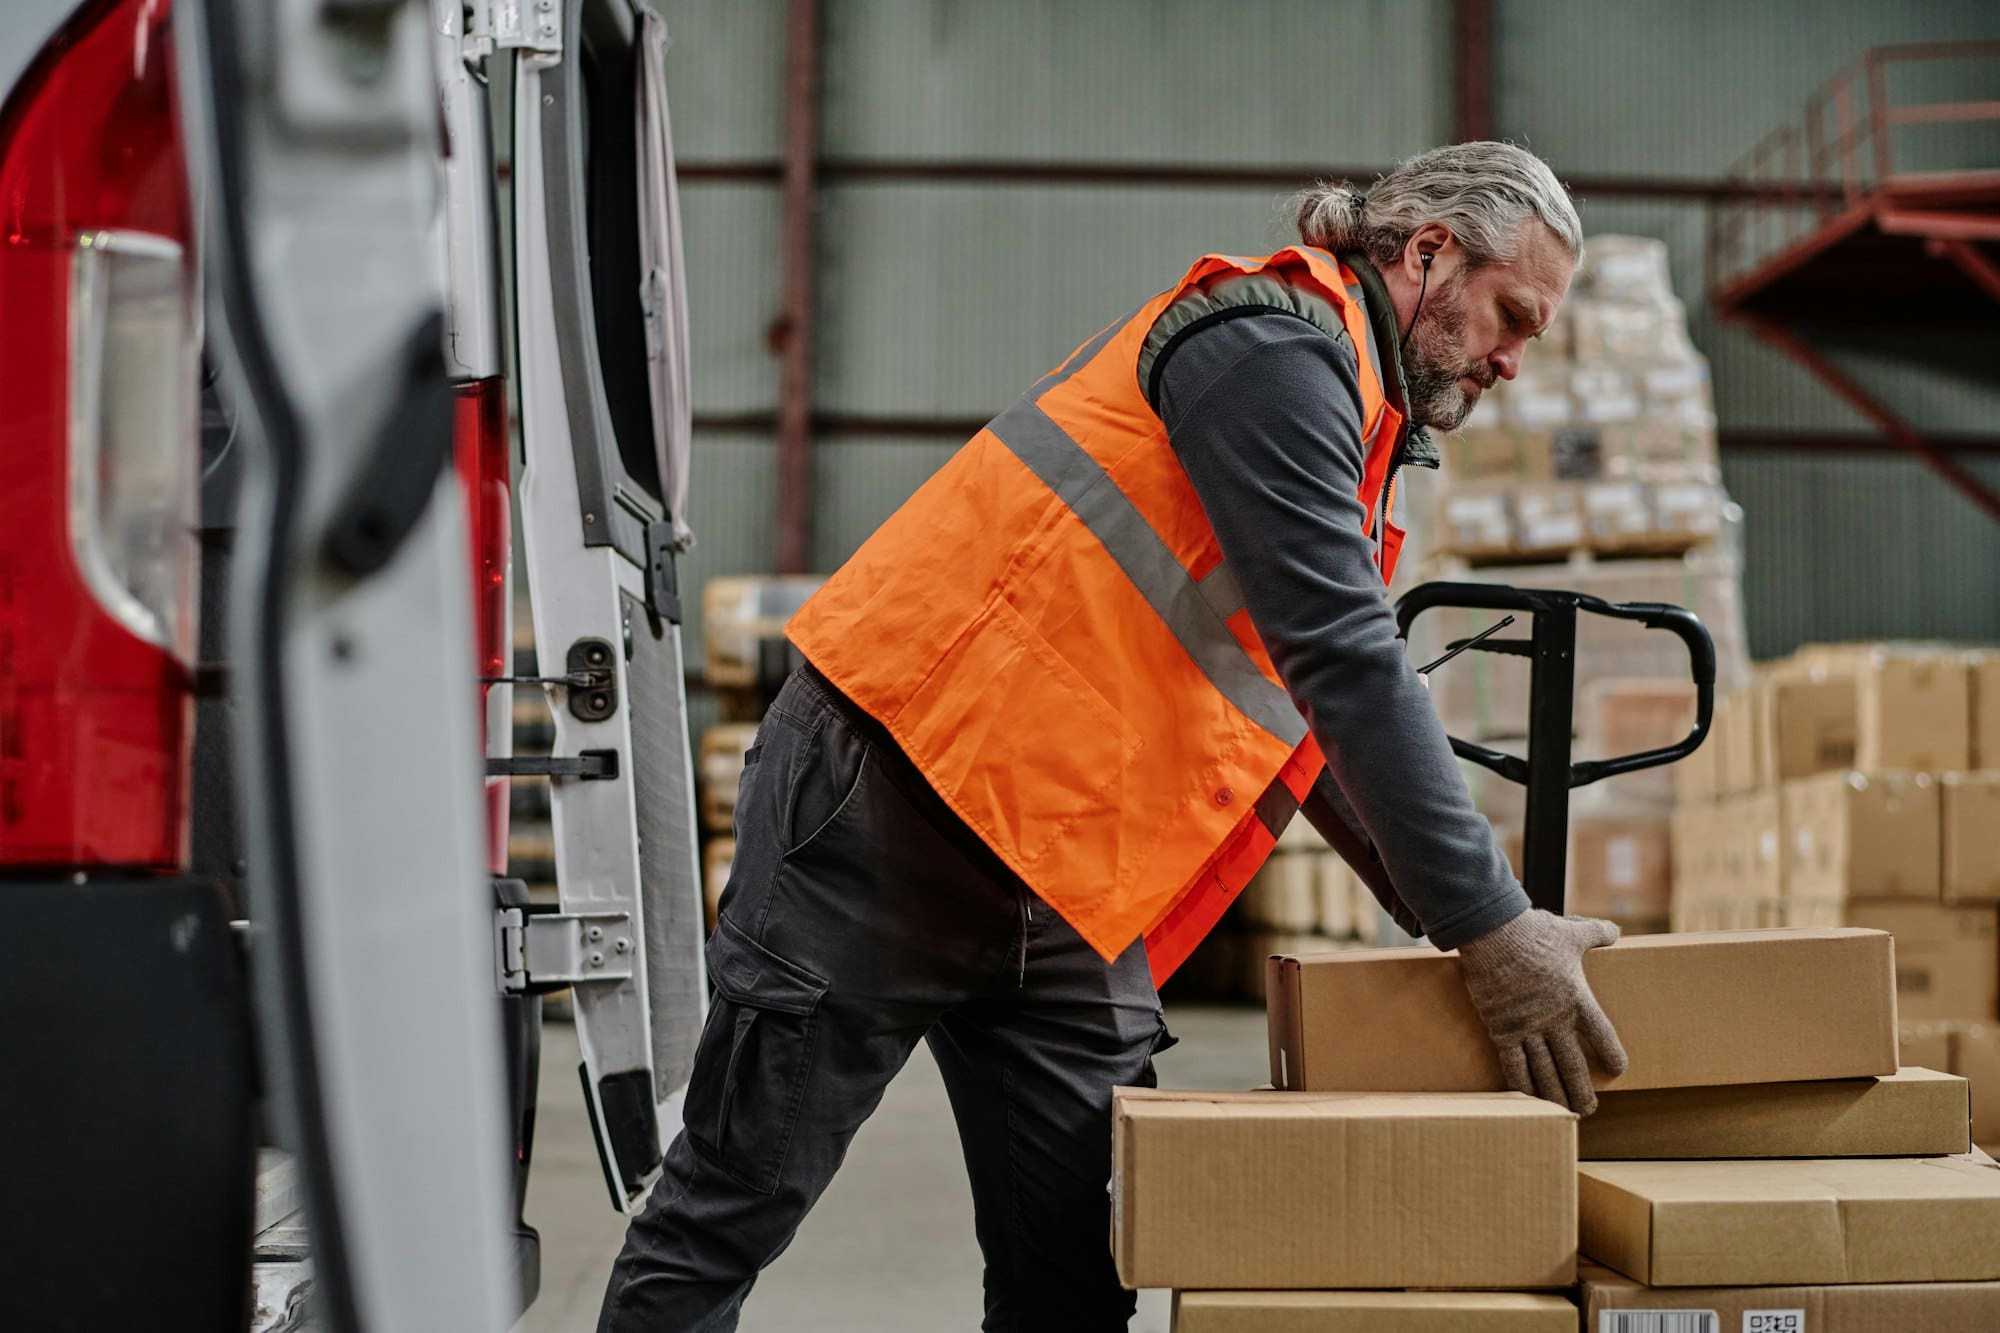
[1546, 770]
[1676, 620]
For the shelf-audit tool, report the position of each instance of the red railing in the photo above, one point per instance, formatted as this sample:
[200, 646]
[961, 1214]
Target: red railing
[1840, 158]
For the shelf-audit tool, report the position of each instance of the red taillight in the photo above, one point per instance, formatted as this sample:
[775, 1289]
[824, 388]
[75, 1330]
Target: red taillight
[480, 448]
[99, 449]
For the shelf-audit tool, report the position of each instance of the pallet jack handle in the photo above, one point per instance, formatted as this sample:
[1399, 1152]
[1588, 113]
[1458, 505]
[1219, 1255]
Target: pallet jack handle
[1546, 770]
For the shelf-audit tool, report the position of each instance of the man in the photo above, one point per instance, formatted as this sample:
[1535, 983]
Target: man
[1066, 698]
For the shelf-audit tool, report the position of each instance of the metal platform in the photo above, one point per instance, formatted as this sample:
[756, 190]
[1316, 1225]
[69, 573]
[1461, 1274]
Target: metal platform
[1876, 213]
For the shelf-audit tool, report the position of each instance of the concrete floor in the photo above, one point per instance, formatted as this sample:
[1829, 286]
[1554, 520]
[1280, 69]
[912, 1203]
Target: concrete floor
[889, 1249]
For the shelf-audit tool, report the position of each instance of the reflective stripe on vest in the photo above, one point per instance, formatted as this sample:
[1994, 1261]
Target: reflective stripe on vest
[1095, 499]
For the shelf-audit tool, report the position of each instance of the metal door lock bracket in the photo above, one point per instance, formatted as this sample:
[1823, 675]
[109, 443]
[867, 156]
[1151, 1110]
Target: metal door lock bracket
[536, 952]
[526, 25]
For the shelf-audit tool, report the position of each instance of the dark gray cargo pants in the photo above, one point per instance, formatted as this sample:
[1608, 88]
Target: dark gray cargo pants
[862, 915]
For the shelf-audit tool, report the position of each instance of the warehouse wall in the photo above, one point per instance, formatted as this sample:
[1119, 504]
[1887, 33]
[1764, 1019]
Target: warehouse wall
[944, 299]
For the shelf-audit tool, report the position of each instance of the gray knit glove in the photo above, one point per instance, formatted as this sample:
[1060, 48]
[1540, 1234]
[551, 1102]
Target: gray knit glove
[1526, 980]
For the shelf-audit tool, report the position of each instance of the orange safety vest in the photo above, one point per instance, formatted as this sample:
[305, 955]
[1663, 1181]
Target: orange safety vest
[1049, 631]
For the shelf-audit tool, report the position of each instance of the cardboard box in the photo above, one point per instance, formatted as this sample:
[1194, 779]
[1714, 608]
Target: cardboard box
[1748, 826]
[1491, 452]
[1270, 1190]
[1915, 711]
[1739, 731]
[1734, 1007]
[1693, 855]
[1812, 725]
[1947, 958]
[1910, 1113]
[1284, 894]
[1257, 947]
[1969, 807]
[1933, 1307]
[1372, 1312]
[1926, 1045]
[1983, 675]
[1858, 835]
[1792, 1222]
[1975, 1056]
[1697, 778]
[1620, 866]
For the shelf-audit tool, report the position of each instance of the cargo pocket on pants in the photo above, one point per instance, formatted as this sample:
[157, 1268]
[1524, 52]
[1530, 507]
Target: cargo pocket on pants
[750, 1072]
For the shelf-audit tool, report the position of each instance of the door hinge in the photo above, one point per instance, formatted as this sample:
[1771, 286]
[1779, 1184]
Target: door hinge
[524, 25]
[545, 951]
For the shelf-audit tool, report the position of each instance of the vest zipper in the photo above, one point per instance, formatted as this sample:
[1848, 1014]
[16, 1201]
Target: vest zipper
[1388, 493]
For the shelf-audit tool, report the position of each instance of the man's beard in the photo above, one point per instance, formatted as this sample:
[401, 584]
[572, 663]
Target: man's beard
[1433, 362]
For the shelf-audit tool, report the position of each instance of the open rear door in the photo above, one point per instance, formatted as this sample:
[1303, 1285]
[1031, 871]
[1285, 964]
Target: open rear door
[313, 126]
[603, 375]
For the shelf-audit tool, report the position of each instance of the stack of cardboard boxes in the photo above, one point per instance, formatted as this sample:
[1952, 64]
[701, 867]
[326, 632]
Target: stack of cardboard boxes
[1762, 1158]
[746, 658]
[1858, 784]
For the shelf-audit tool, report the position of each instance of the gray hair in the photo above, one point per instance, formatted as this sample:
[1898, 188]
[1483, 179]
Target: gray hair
[1483, 191]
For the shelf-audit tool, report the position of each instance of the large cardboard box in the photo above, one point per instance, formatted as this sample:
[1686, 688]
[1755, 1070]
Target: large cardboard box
[1748, 827]
[1372, 1312]
[1861, 835]
[1983, 670]
[1915, 711]
[1947, 958]
[1792, 1222]
[1733, 1007]
[1620, 866]
[1613, 1303]
[1739, 734]
[1812, 725]
[1970, 809]
[1268, 1190]
[1975, 1056]
[1910, 1113]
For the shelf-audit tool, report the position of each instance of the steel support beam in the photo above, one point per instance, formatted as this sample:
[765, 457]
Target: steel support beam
[1899, 431]
[1194, 176]
[1472, 54]
[793, 333]
[1973, 262]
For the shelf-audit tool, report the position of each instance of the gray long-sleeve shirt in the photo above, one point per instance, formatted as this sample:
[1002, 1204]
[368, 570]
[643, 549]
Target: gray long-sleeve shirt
[1264, 412]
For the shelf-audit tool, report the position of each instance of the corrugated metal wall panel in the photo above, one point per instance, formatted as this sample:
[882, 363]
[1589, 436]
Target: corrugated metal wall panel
[858, 481]
[726, 77]
[1137, 80]
[731, 249]
[1683, 89]
[1862, 547]
[952, 299]
[730, 487]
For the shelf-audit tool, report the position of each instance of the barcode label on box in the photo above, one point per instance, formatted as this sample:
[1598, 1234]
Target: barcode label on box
[1774, 1321]
[1658, 1321]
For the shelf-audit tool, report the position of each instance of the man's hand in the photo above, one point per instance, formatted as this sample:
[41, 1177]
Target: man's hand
[1526, 980]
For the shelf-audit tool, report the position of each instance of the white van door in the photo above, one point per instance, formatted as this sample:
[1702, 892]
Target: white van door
[314, 129]
[605, 421]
